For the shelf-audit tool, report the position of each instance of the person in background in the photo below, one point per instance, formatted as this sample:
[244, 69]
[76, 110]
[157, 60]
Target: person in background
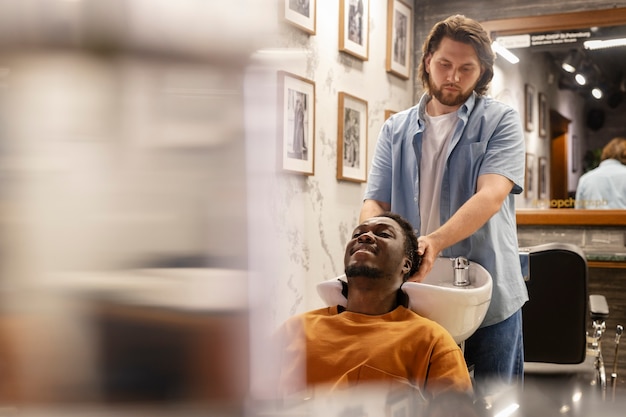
[376, 338]
[604, 187]
[451, 165]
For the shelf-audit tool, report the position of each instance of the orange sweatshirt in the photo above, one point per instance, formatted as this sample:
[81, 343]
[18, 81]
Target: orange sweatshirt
[342, 350]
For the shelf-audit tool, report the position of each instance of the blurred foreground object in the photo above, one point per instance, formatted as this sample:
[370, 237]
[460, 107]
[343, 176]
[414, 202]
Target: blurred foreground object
[123, 217]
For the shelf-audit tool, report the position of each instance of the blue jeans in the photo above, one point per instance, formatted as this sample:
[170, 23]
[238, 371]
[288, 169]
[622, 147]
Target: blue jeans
[497, 355]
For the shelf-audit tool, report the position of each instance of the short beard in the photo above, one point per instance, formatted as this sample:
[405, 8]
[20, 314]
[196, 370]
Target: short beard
[448, 101]
[363, 271]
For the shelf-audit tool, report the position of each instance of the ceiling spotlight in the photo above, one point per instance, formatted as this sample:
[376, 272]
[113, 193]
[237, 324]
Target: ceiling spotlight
[588, 74]
[568, 67]
[571, 61]
[596, 93]
[504, 52]
[605, 43]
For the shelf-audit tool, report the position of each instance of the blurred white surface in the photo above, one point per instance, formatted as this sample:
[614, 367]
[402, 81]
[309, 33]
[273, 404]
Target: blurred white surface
[184, 289]
[122, 155]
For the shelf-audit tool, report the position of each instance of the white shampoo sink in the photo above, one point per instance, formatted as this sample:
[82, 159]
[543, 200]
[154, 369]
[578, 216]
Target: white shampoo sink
[460, 310]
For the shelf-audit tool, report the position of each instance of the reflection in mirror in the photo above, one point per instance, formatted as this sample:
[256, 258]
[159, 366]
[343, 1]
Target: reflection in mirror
[566, 123]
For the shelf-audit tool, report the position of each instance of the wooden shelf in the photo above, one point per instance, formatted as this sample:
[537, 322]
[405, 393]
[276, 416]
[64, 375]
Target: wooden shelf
[606, 264]
[551, 22]
[570, 217]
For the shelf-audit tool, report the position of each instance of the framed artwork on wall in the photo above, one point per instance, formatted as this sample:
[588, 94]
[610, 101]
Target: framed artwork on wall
[529, 177]
[529, 104]
[352, 138]
[543, 177]
[296, 110]
[354, 27]
[301, 14]
[399, 36]
[544, 115]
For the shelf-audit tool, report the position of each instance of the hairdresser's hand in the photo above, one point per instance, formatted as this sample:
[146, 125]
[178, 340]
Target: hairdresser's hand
[427, 249]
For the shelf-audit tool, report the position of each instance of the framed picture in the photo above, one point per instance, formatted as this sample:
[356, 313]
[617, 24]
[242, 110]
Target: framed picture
[529, 178]
[296, 110]
[399, 31]
[389, 113]
[544, 115]
[543, 177]
[301, 14]
[352, 139]
[529, 100]
[354, 27]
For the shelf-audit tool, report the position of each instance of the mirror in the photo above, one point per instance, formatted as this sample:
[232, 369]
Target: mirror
[595, 22]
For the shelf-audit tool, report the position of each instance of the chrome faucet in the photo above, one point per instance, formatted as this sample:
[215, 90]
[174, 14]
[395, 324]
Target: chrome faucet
[461, 271]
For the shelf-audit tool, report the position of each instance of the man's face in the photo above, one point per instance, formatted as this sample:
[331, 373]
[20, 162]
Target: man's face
[454, 70]
[376, 250]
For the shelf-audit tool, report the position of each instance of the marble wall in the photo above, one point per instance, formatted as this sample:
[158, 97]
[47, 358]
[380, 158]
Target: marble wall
[299, 224]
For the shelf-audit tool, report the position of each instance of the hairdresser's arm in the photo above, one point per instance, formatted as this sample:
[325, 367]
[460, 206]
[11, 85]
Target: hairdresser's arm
[372, 208]
[491, 191]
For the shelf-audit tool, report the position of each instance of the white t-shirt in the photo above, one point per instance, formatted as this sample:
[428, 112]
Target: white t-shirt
[437, 135]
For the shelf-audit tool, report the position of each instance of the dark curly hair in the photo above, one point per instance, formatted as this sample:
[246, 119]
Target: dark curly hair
[461, 29]
[410, 241]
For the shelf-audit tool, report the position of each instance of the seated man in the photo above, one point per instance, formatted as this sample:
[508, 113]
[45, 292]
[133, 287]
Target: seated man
[375, 338]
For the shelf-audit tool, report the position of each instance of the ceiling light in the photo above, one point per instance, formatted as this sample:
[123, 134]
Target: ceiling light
[606, 43]
[588, 74]
[568, 67]
[504, 53]
[596, 93]
[571, 61]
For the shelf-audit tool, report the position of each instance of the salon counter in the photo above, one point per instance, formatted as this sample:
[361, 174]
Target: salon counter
[601, 234]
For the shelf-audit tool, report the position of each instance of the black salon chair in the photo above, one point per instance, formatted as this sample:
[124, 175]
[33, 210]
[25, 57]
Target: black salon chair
[563, 324]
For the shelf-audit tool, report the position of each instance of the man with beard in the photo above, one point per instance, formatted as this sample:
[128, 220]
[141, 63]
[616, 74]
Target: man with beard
[451, 165]
[375, 338]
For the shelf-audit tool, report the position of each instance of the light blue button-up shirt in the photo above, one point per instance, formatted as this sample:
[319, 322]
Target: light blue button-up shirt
[603, 187]
[488, 139]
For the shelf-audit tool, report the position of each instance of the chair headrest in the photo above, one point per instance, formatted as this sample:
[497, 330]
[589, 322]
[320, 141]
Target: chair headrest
[331, 291]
